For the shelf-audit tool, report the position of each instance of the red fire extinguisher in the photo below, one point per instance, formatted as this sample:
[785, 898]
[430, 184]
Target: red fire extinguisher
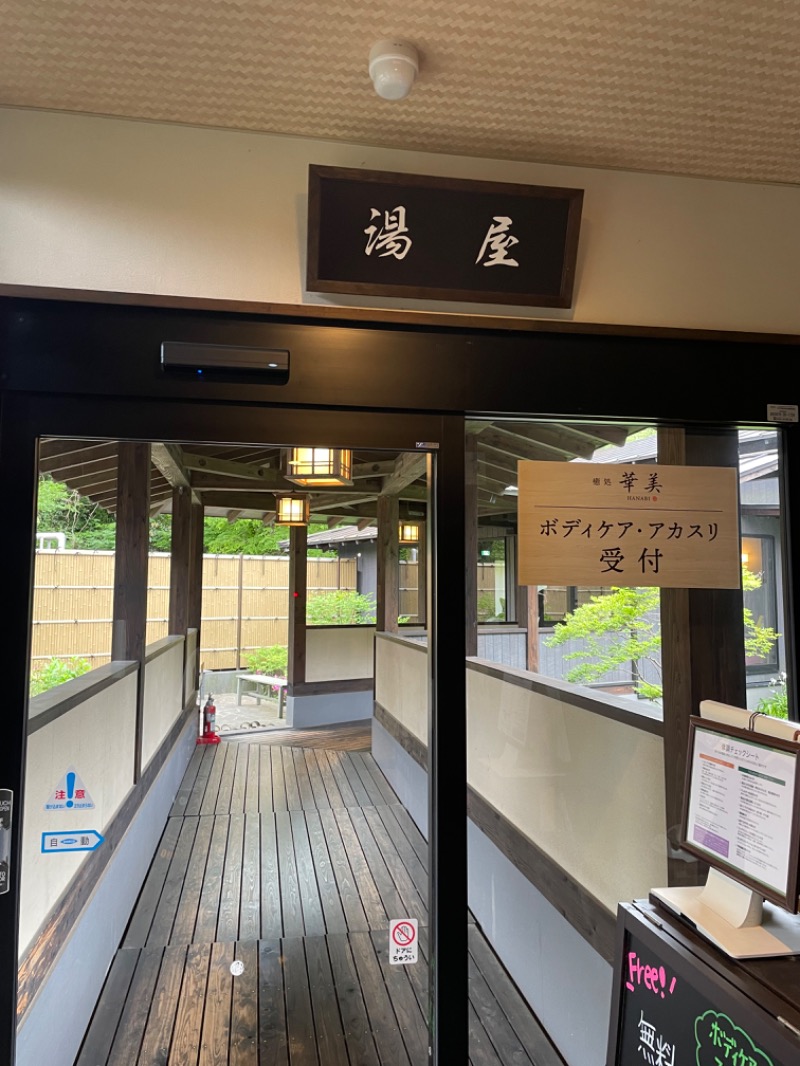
[209, 735]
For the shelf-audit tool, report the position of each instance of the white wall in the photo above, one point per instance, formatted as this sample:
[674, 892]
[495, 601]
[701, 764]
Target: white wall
[77, 975]
[110, 204]
[96, 738]
[163, 697]
[588, 790]
[401, 682]
[339, 654]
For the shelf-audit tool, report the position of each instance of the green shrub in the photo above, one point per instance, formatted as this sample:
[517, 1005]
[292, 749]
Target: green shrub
[55, 672]
[340, 607]
[777, 703]
[272, 661]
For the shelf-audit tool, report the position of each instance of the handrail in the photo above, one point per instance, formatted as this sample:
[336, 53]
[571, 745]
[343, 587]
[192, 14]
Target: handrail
[48, 706]
[616, 708]
[406, 641]
[159, 647]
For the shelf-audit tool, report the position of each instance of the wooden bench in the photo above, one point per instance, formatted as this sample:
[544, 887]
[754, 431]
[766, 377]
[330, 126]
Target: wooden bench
[258, 686]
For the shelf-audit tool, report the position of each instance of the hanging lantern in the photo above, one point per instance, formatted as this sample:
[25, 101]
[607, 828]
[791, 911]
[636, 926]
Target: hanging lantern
[292, 510]
[409, 533]
[315, 467]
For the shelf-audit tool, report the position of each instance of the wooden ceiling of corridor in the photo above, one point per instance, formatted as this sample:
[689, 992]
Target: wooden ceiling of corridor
[239, 481]
[708, 89]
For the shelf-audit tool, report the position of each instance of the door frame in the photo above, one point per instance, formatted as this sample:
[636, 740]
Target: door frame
[59, 347]
[26, 417]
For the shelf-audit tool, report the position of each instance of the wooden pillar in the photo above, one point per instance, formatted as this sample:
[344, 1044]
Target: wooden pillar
[179, 561]
[130, 570]
[702, 644]
[422, 573]
[298, 594]
[388, 593]
[471, 544]
[195, 579]
[526, 613]
[532, 607]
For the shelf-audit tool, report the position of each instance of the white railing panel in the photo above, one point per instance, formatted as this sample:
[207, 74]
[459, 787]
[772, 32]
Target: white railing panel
[584, 787]
[401, 682]
[95, 738]
[339, 654]
[163, 696]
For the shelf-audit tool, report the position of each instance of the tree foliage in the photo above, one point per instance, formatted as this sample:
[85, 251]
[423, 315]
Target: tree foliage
[247, 536]
[617, 628]
[89, 527]
[85, 524]
[623, 627]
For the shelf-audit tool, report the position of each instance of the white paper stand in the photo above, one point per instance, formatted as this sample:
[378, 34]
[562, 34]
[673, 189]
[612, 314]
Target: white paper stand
[734, 918]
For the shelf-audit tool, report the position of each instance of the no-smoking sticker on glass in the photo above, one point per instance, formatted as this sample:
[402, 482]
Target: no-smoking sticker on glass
[402, 941]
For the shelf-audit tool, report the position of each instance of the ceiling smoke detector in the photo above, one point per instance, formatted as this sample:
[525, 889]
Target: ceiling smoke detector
[393, 66]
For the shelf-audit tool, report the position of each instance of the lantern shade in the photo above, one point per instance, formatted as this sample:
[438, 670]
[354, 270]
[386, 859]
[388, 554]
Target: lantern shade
[318, 466]
[409, 532]
[292, 510]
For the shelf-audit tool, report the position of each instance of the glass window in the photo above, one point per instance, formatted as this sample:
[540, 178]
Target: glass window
[493, 597]
[762, 555]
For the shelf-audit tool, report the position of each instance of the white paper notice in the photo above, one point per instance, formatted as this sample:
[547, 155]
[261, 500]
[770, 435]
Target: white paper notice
[741, 806]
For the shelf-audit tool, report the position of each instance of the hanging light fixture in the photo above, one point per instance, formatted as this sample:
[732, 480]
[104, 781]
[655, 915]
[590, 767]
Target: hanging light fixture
[318, 467]
[292, 510]
[409, 533]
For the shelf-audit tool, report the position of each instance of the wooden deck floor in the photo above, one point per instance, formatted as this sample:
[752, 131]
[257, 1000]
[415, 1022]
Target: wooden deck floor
[290, 860]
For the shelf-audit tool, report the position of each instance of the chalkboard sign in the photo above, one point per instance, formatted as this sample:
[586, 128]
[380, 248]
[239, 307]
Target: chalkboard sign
[376, 233]
[673, 1008]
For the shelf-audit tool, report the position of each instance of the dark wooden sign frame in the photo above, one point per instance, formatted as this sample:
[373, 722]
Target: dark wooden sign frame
[382, 234]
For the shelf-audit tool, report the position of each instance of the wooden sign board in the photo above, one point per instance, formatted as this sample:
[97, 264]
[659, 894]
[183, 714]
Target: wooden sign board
[675, 1003]
[628, 525]
[381, 234]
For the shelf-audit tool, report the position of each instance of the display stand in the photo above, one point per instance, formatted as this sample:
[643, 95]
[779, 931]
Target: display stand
[734, 917]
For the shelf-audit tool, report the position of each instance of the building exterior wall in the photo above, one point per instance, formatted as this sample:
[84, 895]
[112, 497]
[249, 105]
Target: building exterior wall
[109, 204]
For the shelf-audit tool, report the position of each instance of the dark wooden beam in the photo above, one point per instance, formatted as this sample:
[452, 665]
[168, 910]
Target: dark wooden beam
[179, 563]
[214, 465]
[422, 573]
[408, 468]
[500, 459]
[168, 460]
[270, 480]
[99, 482]
[388, 593]
[511, 444]
[108, 497]
[298, 596]
[702, 646]
[600, 435]
[233, 499]
[78, 463]
[471, 544]
[195, 595]
[505, 472]
[128, 636]
[564, 444]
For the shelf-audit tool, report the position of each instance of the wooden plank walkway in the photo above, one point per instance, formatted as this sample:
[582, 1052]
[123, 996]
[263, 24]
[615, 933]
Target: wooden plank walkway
[289, 860]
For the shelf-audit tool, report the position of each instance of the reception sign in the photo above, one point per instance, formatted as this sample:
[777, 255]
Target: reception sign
[628, 525]
[383, 234]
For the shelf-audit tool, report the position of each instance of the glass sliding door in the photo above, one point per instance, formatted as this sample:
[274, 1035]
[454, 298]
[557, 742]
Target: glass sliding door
[282, 889]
